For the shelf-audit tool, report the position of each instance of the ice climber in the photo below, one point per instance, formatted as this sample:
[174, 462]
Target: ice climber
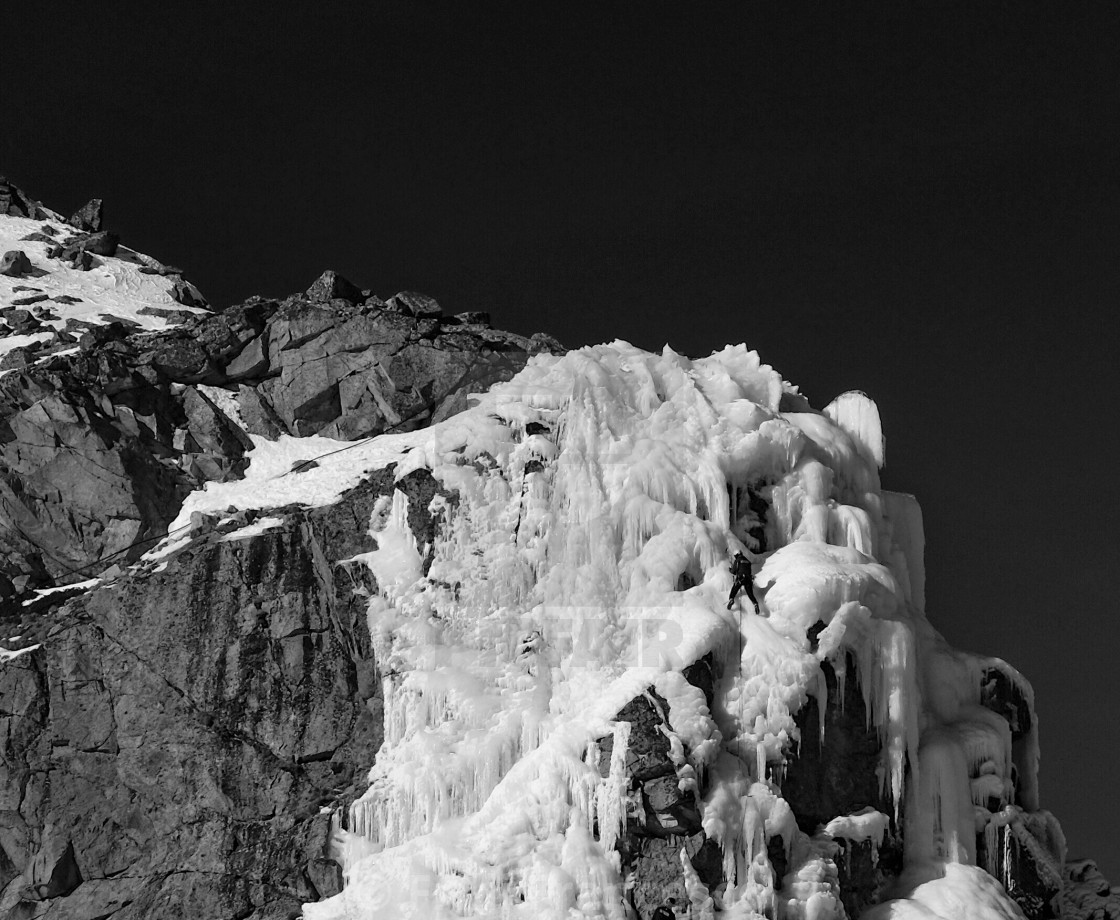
[744, 580]
[528, 649]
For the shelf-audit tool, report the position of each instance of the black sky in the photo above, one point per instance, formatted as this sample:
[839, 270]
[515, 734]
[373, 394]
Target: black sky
[918, 201]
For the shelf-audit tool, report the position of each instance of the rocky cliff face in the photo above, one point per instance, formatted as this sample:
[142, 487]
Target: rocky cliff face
[171, 745]
[99, 445]
[177, 745]
[185, 732]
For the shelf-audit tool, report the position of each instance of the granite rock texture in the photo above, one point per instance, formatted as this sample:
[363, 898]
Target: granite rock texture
[170, 749]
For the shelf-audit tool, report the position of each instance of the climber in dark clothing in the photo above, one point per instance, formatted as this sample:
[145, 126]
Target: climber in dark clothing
[744, 580]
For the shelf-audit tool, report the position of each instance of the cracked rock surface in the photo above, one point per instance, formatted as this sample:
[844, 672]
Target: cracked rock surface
[169, 751]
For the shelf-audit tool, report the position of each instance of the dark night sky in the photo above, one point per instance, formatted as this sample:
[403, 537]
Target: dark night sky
[922, 203]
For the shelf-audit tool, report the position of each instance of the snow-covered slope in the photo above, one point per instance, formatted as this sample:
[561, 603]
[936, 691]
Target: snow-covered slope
[583, 560]
[114, 288]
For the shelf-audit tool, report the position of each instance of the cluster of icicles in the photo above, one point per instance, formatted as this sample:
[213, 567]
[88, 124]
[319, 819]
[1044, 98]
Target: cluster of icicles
[588, 513]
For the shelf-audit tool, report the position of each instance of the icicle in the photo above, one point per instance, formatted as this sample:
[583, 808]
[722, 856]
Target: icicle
[610, 797]
[754, 895]
[940, 823]
[702, 907]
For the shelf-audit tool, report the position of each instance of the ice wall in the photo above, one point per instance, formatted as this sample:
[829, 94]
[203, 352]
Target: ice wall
[600, 496]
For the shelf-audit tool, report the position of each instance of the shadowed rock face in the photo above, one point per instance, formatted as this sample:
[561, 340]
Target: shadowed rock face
[1015, 852]
[836, 774]
[98, 449]
[14, 201]
[1087, 893]
[169, 749]
[661, 820]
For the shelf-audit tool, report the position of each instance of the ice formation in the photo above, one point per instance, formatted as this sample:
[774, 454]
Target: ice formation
[588, 511]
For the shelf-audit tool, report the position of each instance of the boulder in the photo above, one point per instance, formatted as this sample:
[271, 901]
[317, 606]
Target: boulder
[17, 203]
[213, 431]
[187, 294]
[472, 318]
[15, 316]
[20, 356]
[173, 316]
[258, 415]
[30, 299]
[294, 325]
[88, 218]
[26, 324]
[543, 343]
[102, 243]
[251, 362]
[6, 196]
[331, 286]
[414, 304]
[159, 269]
[83, 261]
[225, 334]
[15, 264]
[91, 335]
[77, 249]
[181, 359]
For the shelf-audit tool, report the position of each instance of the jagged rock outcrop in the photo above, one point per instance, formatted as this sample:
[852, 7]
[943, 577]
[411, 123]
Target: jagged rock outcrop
[332, 286]
[661, 818]
[16, 202]
[98, 448]
[1087, 894]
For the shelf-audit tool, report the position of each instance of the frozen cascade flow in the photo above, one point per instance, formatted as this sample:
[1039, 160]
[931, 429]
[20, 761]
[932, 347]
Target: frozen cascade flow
[587, 514]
